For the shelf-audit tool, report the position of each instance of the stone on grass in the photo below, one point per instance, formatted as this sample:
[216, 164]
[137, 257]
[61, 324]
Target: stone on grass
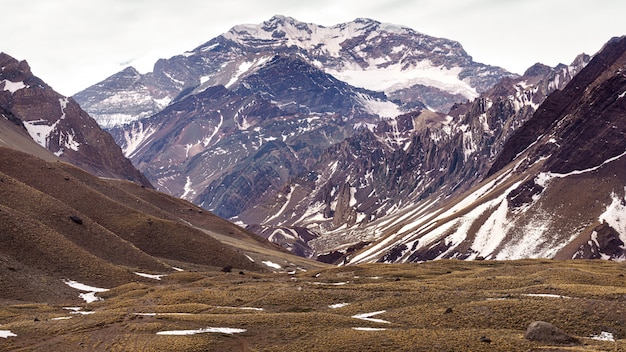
[548, 333]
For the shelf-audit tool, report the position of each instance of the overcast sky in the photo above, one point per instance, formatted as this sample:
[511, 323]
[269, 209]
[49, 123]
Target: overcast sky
[72, 44]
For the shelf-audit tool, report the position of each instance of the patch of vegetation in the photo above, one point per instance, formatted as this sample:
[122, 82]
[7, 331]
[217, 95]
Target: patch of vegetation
[436, 306]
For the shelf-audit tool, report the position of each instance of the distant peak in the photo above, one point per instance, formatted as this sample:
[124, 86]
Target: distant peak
[19, 69]
[281, 18]
[581, 60]
[365, 20]
[130, 70]
[537, 69]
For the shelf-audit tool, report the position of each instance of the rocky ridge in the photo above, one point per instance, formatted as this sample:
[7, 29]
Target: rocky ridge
[58, 124]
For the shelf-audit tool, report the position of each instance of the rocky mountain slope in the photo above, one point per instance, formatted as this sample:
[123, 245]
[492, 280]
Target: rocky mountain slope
[414, 158]
[226, 148]
[58, 124]
[556, 189]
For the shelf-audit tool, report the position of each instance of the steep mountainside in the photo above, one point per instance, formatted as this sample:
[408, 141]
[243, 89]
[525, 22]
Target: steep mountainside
[414, 158]
[58, 124]
[410, 67]
[226, 149]
[556, 189]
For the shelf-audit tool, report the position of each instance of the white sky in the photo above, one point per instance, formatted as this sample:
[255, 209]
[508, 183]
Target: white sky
[72, 44]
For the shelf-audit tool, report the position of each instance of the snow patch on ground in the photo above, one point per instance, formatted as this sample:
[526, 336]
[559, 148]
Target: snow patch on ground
[544, 177]
[283, 208]
[6, 333]
[150, 276]
[545, 295]
[228, 331]
[162, 314]
[604, 336]
[243, 68]
[491, 234]
[39, 131]
[386, 109]
[368, 317]
[532, 244]
[88, 297]
[338, 305]
[272, 264]
[369, 329]
[242, 308]
[83, 287]
[615, 215]
[79, 310]
[331, 283]
[12, 86]
[135, 136]
[188, 190]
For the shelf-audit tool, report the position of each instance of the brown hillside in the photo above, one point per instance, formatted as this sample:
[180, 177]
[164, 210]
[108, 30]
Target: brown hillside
[58, 222]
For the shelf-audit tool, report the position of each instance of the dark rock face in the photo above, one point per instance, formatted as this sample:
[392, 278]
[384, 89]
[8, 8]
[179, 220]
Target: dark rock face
[58, 124]
[548, 333]
[232, 148]
[291, 79]
[524, 194]
[604, 243]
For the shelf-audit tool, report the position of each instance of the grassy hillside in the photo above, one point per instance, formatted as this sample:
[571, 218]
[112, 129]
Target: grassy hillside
[436, 306]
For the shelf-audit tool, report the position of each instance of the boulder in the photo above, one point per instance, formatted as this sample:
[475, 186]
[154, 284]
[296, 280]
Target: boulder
[548, 333]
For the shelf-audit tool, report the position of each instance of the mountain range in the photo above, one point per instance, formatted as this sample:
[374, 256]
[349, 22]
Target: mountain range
[408, 66]
[332, 141]
[355, 144]
[360, 142]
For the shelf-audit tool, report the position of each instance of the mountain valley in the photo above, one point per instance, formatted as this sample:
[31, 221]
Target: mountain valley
[289, 186]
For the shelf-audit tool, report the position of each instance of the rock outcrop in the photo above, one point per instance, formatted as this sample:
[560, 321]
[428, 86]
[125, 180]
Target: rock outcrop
[545, 332]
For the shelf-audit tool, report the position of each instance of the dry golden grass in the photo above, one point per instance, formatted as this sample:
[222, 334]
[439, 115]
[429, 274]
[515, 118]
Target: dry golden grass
[435, 306]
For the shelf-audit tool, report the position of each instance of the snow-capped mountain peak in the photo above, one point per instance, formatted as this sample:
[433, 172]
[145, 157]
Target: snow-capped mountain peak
[411, 68]
[366, 53]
